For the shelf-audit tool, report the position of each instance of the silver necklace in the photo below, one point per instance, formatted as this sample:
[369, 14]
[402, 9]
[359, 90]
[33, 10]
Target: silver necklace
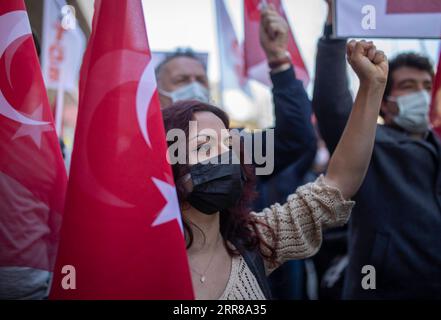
[202, 276]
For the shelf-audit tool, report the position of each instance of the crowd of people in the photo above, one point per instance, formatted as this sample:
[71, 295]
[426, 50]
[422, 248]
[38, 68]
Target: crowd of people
[344, 192]
[396, 217]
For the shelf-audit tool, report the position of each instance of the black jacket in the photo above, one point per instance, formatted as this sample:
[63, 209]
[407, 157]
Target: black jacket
[295, 143]
[396, 223]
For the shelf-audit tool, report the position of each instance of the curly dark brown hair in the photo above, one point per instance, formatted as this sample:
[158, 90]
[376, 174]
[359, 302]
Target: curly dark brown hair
[235, 223]
[407, 59]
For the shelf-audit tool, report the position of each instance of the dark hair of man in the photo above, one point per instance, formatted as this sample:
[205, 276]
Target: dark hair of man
[407, 59]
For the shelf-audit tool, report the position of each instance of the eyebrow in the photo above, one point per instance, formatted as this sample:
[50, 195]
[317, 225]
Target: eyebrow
[202, 135]
[413, 81]
[406, 80]
[180, 77]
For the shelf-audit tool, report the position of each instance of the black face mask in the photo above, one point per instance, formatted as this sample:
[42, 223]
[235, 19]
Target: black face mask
[216, 187]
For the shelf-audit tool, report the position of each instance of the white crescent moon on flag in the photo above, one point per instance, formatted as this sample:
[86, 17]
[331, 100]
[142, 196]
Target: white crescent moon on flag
[14, 25]
[97, 73]
[144, 94]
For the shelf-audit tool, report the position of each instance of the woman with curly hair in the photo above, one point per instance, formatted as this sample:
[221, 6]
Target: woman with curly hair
[229, 247]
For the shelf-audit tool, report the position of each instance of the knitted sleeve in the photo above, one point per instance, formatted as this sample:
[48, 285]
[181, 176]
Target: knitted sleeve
[298, 224]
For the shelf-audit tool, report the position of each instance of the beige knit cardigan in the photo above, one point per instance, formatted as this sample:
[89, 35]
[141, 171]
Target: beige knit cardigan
[298, 226]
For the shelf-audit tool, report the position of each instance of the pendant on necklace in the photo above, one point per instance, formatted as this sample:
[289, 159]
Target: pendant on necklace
[202, 279]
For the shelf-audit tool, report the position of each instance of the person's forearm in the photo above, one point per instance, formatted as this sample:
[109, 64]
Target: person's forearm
[332, 101]
[292, 110]
[350, 161]
[294, 136]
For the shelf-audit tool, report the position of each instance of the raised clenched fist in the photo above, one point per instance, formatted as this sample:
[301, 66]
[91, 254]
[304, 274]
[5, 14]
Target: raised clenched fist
[274, 31]
[369, 64]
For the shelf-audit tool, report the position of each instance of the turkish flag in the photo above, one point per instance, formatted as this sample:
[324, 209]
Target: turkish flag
[32, 173]
[255, 59]
[122, 234]
[435, 113]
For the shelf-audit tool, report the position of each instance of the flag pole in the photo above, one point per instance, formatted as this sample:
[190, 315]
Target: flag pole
[59, 105]
[220, 50]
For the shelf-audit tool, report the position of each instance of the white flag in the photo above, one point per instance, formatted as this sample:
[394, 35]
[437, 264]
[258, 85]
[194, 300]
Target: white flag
[62, 46]
[231, 53]
[388, 18]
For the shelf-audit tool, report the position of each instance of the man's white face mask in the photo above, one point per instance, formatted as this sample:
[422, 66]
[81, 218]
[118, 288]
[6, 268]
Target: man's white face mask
[413, 113]
[191, 91]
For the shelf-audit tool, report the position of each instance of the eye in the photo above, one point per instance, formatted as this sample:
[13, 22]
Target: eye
[203, 147]
[180, 80]
[203, 81]
[228, 141]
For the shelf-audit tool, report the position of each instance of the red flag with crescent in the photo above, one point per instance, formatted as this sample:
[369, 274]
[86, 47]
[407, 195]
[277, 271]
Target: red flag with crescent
[435, 112]
[32, 172]
[122, 235]
[255, 59]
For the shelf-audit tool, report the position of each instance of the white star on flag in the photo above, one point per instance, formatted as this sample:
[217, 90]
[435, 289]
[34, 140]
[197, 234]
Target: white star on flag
[171, 210]
[33, 131]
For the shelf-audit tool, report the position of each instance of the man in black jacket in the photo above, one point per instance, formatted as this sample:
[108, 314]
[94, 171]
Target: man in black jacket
[396, 224]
